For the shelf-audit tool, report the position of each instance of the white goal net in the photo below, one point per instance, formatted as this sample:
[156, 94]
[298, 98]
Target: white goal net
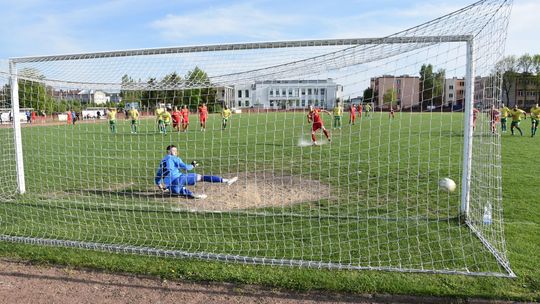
[84, 135]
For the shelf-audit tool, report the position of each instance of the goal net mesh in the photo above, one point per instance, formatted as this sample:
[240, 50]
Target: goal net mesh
[369, 199]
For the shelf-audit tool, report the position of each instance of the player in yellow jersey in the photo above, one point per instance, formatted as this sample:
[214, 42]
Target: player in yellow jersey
[111, 116]
[535, 119]
[368, 108]
[505, 112]
[225, 114]
[133, 115]
[338, 114]
[167, 118]
[517, 113]
[159, 118]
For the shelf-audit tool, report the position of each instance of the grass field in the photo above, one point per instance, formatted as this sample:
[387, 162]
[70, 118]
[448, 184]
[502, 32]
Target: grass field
[384, 211]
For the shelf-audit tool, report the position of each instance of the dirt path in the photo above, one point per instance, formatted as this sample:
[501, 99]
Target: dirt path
[24, 283]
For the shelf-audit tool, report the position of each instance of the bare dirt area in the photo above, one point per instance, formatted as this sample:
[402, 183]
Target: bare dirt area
[24, 283]
[253, 190]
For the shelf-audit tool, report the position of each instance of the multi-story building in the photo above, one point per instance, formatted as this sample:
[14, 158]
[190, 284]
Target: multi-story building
[405, 88]
[282, 94]
[454, 91]
[524, 91]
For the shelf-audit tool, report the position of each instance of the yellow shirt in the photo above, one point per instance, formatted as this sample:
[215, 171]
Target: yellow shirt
[111, 115]
[133, 114]
[338, 111]
[368, 107]
[516, 114]
[159, 113]
[166, 116]
[226, 113]
[505, 112]
[535, 112]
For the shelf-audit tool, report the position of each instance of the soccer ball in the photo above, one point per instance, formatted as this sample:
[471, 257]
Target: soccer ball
[447, 185]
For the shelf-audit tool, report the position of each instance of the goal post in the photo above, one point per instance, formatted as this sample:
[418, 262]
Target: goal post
[338, 146]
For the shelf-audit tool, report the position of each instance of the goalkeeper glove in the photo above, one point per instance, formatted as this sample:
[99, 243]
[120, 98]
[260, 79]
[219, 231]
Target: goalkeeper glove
[194, 164]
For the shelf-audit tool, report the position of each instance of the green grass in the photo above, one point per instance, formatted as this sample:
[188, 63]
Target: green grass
[385, 209]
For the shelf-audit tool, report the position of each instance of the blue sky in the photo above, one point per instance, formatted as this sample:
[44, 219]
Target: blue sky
[34, 27]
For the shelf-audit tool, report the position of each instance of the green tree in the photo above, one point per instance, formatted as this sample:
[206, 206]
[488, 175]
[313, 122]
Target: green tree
[507, 69]
[369, 95]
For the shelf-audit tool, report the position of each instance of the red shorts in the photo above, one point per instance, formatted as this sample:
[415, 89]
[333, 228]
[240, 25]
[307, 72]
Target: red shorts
[316, 126]
[186, 120]
[202, 118]
[175, 124]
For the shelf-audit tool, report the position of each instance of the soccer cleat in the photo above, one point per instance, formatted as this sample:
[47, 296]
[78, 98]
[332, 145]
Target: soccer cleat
[199, 196]
[231, 181]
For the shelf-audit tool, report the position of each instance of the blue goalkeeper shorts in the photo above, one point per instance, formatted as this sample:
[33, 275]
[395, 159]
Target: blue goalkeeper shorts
[177, 186]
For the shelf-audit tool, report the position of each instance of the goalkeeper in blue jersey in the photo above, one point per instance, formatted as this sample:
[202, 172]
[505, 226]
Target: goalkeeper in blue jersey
[172, 175]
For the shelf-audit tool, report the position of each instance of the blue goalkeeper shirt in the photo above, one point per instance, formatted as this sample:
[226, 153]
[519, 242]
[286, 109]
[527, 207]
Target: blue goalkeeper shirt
[170, 169]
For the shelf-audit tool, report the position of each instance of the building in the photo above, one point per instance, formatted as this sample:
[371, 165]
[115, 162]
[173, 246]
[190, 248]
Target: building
[524, 91]
[405, 89]
[286, 94]
[454, 92]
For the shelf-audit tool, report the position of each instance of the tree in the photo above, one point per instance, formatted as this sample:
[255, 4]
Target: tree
[431, 86]
[507, 69]
[369, 95]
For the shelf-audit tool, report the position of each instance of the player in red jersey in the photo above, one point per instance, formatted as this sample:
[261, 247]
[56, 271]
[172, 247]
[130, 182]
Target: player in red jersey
[176, 117]
[360, 109]
[475, 117]
[352, 114]
[203, 115]
[495, 117]
[185, 118]
[314, 117]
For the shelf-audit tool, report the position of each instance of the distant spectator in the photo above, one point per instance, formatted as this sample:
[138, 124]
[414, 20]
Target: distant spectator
[28, 117]
[33, 115]
[98, 115]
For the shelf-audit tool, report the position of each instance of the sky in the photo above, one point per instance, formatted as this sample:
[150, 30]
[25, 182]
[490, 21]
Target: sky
[36, 27]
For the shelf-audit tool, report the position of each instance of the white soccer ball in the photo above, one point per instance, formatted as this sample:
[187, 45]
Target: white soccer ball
[447, 184]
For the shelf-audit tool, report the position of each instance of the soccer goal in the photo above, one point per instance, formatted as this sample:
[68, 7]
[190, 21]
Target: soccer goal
[338, 145]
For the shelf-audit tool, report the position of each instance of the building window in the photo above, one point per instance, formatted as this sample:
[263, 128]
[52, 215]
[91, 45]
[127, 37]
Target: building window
[309, 91]
[322, 92]
[271, 92]
[290, 92]
[297, 103]
[239, 103]
[239, 94]
[303, 91]
[247, 93]
[451, 87]
[461, 83]
[520, 93]
[277, 92]
[247, 103]
[271, 103]
[284, 92]
[303, 102]
[451, 95]
[316, 91]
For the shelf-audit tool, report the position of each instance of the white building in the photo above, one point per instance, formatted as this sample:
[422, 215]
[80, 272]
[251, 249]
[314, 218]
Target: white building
[283, 94]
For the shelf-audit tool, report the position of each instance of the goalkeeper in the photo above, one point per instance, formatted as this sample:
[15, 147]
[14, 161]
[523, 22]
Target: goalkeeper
[170, 175]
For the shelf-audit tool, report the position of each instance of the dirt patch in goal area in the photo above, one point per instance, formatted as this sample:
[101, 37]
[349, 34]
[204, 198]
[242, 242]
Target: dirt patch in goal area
[254, 190]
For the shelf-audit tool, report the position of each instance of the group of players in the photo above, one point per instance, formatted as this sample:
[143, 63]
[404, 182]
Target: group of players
[501, 115]
[164, 117]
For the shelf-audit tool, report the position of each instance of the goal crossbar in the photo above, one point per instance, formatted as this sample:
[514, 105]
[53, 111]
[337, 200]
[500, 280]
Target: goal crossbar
[248, 46]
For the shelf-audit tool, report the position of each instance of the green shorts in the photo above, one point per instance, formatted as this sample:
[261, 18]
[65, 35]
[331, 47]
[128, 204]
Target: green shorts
[515, 124]
[337, 117]
[112, 122]
[134, 121]
[225, 119]
[535, 121]
[503, 120]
